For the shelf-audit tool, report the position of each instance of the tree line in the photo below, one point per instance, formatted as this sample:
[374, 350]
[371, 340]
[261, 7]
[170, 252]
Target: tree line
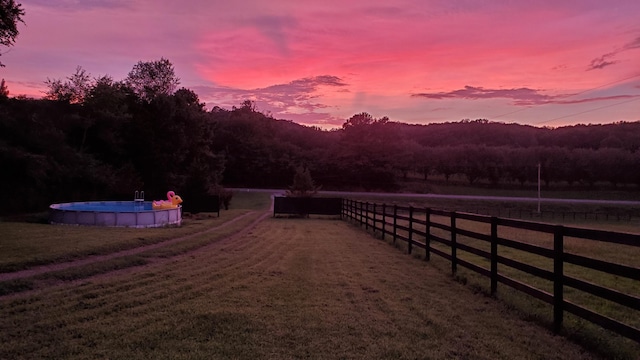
[100, 138]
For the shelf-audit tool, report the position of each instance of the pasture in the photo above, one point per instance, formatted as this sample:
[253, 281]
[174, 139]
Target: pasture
[250, 286]
[526, 264]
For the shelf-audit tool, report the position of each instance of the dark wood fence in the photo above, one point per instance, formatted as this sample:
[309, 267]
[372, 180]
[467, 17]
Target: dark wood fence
[422, 227]
[307, 206]
[544, 215]
[202, 203]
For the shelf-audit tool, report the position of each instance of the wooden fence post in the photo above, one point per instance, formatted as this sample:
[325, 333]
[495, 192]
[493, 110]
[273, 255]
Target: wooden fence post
[352, 210]
[410, 242]
[384, 220]
[374, 218]
[427, 237]
[354, 205]
[558, 277]
[395, 223]
[454, 261]
[494, 255]
[366, 216]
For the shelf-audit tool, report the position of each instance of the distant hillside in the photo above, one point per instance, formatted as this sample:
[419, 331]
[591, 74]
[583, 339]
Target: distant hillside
[624, 135]
[115, 143]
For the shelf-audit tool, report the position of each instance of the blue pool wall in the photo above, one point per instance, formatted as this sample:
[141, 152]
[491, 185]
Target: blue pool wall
[134, 214]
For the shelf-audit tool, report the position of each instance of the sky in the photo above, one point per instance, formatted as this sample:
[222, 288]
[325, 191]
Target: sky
[541, 63]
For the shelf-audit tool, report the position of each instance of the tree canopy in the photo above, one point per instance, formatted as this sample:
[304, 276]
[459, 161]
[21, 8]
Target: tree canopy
[149, 79]
[74, 90]
[98, 138]
[11, 14]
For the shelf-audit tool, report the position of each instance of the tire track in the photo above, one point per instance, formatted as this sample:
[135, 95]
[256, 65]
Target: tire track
[43, 269]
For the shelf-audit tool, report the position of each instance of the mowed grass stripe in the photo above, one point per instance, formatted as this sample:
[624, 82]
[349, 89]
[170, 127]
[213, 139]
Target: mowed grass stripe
[160, 284]
[141, 283]
[28, 245]
[291, 288]
[139, 256]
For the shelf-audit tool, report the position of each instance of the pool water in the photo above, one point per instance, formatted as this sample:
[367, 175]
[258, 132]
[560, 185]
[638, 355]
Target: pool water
[107, 206]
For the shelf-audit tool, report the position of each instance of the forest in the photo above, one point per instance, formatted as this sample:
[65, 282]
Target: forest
[98, 138]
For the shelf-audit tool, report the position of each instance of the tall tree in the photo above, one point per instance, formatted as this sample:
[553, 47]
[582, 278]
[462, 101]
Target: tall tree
[4, 91]
[303, 185]
[107, 104]
[152, 78]
[366, 152]
[11, 14]
[74, 90]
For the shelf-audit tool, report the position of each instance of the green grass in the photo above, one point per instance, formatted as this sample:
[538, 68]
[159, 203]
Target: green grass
[459, 186]
[289, 289]
[250, 200]
[92, 269]
[26, 245]
[589, 334]
[16, 285]
[142, 256]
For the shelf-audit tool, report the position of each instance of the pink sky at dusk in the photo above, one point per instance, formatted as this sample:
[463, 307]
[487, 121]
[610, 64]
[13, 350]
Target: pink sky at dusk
[543, 63]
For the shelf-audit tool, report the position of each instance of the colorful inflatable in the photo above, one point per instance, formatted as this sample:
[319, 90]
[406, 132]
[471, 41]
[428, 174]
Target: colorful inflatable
[172, 202]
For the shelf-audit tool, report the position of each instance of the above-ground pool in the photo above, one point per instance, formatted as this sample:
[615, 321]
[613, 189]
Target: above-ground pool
[138, 214]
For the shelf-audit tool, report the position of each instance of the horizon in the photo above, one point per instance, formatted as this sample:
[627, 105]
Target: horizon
[548, 64]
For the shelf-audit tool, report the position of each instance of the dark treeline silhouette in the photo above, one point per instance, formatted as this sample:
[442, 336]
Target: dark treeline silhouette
[92, 139]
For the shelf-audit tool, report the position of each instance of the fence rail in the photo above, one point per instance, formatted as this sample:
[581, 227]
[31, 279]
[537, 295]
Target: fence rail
[628, 216]
[422, 227]
[307, 206]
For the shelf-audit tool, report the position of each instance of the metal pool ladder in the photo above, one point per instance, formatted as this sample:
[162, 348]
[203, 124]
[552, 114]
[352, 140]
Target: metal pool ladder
[138, 198]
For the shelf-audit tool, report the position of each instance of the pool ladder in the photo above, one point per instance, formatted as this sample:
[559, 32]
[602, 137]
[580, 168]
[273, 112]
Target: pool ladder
[138, 198]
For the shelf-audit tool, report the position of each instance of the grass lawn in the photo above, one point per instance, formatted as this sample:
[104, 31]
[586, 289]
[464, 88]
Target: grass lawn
[25, 244]
[591, 335]
[290, 288]
[29, 244]
[459, 186]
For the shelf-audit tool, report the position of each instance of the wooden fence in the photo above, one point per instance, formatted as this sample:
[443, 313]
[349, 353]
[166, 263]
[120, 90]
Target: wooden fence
[422, 227]
[202, 203]
[552, 215]
[307, 206]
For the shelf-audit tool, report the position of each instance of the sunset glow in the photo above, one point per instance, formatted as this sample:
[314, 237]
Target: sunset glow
[544, 63]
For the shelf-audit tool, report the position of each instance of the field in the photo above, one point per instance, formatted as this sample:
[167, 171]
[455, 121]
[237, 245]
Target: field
[251, 286]
[589, 334]
[575, 214]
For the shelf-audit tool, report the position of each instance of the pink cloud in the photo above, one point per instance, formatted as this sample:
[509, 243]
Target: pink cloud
[77, 6]
[593, 99]
[602, 62]
[634, 44]
[522, 96]
[279, 53]
[294, 100]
